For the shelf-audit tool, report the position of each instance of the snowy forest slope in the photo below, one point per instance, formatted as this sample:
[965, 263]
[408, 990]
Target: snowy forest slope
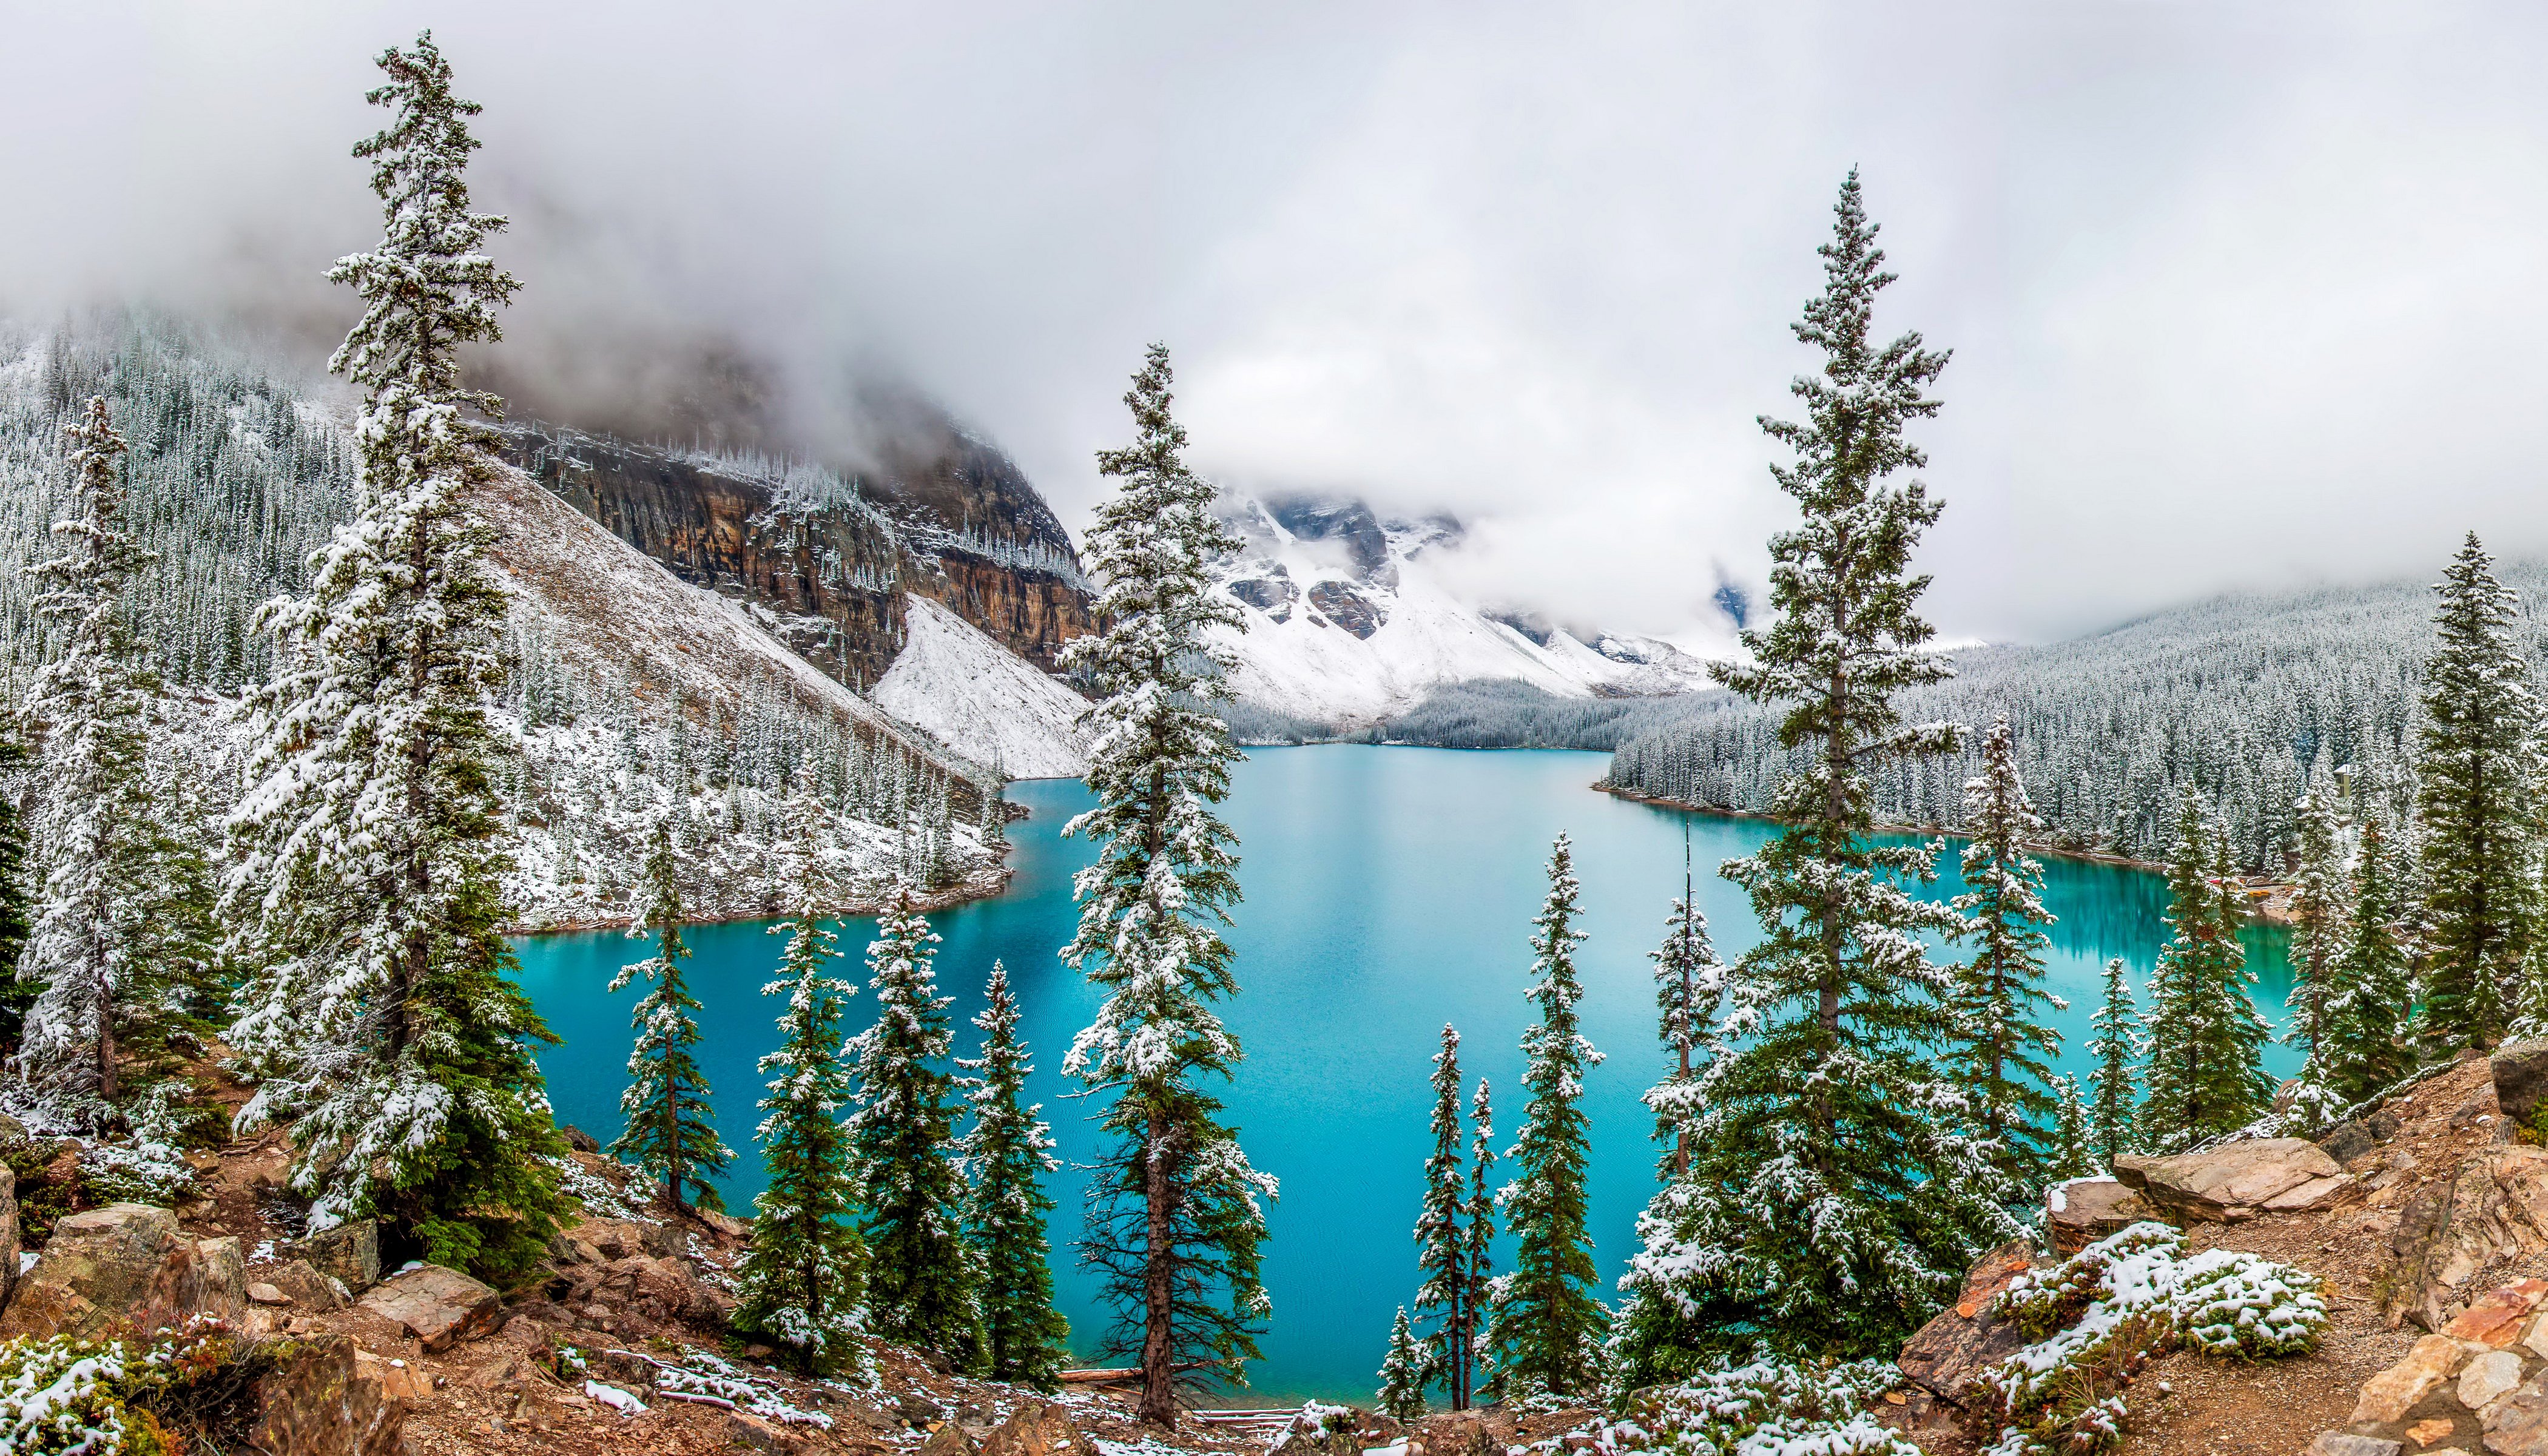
[2244, 696]
[631, 694]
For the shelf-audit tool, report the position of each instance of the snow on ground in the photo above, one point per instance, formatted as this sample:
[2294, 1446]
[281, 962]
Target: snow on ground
[1352, 625]
[981, 699]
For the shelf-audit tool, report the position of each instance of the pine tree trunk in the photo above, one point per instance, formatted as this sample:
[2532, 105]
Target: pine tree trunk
[672, 1130]
[107, 1087]
[1159, 1283]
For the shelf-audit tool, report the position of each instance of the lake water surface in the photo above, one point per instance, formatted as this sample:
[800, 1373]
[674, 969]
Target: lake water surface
[1388, 890]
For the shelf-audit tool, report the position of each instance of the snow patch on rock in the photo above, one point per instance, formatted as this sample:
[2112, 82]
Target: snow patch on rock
[956, 682]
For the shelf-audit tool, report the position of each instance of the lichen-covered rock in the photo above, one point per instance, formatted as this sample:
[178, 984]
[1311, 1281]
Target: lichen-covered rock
[2516, 1425]
[307, 1289]
[316, 1402]
[2226, 1183]
[2339, 1443]
[1967, 1338]
[2348, 1140]
[125, 1261]
[2488, 1376]
[350, 1251]
[620, 1238]
[225, 1277]
[439, 1307]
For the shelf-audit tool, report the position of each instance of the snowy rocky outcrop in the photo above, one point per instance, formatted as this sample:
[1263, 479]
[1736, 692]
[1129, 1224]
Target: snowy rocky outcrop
[1350, 622]
[981, 699]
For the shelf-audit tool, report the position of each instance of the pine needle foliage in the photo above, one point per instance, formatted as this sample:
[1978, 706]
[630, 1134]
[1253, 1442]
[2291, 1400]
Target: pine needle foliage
[366, 884]
[922, 1281]
[803, 1279]
[1689, 991]
[2477, 807]
[1004, 1157]
[2205, 1073]
[113, 929]
[1544, 1323]
[1448, 1293]
[1478, 1238]
[2113, 1044]
[1174, 1212]
[1835, 1200]
[1403, 1373]
[671, 1131]
[2005, 1049]
[2318, 921]
[2371, 1021]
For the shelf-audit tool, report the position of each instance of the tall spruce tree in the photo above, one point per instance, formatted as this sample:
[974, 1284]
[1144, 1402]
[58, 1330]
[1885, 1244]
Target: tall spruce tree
[1835, 1201]
[671, 1134]
[2371, 1021]
[94, 831]
[1004, 1156]
[2004, 1048]
[2206, 1073]
[16, 905]
[803, 1279]
[1544, 1323]
[923, 1286]
[2318, 921]
[1478, 1239]
[2477, 777]
[2113, 1044]
[367, 878]
[1689, 990]
[1446, 1293]
[2069, 1154]
[1174, 1214]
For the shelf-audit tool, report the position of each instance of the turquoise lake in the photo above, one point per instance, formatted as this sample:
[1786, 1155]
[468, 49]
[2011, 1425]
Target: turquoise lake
[1388, 890]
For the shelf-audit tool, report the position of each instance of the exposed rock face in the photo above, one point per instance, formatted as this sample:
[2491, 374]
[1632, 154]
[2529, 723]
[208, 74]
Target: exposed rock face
[2495, 1209]
[350, 1253]
[317, 1403]
[2521, 1071]
[1040, 1430]
[1965, 1338]
[1272, 594]
[439, 1307]
[828, 562]
[124, 1261]
[307, 1288]
[2236, 1182]
[1347, 608]
[2078, 1213]
[1330, 1430]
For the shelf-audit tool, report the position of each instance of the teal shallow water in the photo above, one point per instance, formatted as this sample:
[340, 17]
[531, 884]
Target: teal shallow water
[1388, 890]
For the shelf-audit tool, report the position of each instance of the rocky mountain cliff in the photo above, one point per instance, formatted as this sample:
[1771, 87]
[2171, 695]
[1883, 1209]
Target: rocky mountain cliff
[827, 561]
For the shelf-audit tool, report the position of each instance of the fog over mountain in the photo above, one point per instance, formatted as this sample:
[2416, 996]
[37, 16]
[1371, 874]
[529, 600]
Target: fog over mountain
[2230, 288]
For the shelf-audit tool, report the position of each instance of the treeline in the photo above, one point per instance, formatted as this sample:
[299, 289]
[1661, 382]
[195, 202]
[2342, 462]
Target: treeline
[2243, 698]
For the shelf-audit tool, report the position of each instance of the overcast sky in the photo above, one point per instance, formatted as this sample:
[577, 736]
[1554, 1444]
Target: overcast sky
[2238, 295]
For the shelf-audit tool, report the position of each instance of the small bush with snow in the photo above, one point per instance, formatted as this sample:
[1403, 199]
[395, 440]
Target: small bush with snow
[1769, 1408]
[2101, 1315]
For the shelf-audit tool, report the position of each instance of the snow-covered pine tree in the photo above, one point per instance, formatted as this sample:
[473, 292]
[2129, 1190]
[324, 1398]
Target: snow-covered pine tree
[2206, 1071]
[1689, 989]
[1403, 1373]
[1478, 1238]
[2113, 1044]
[802, 1281]
[2477, 806]
[1004, 1156]
[671, 1134]
[93, 810]
[1544, 1323]
[2069, 1154]
[2371, 1021]
[366, 882]
[17, 906]
[1835, 1200]
[2319, 924]
[1441, 1251]
[1174, 1218]
[2004, 1050]
[922, 1281]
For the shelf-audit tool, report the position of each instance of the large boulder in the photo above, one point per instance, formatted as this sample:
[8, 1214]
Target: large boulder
[350, 1251]
[1966, 1337]
[1041, 1429]
[440, 1307]
[620, 1238]
[2520, 1071]
[321, 1399]
[2081, 1211]
[1323, 1429]
[307, 1288]
[124, 1261]
[11, 1231]
[2236, 1181]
